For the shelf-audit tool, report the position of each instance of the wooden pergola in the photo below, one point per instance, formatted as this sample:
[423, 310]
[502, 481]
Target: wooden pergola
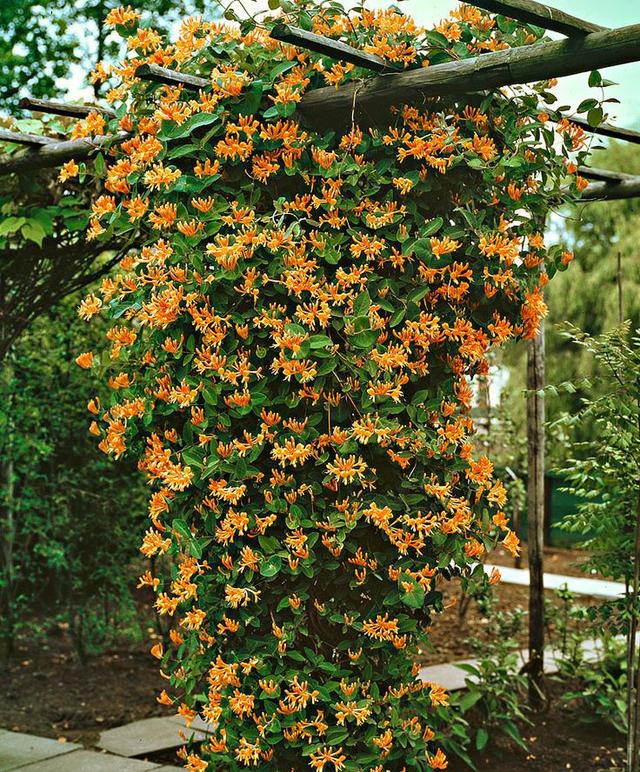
[585, 47]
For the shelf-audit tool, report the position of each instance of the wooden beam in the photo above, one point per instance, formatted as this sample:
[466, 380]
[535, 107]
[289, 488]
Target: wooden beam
[368, 102]
[158, 74]
[603, 175]
[612, 191]
[329, 47]
[18, 138]
[62, 108]
[55, 153]
[607, 130]
[535, 514]
[540, 15]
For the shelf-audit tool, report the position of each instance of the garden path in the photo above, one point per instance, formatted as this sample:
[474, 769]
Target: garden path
[594, 588]
[41, 754]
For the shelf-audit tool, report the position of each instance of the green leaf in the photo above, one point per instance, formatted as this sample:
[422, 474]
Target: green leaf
[181, 528]
[595, 116]
[33, 231]
[11, 225]
[99, 166]
[587, 104]
[482, 738]
[271, 566]
[433, 226]
[192, 123]
[411, 593]
[396, 317]
[469, 699]
[364, 339]
[417, 294]
[595, 79]
[320, 341]
[361, 304]
[252, 99]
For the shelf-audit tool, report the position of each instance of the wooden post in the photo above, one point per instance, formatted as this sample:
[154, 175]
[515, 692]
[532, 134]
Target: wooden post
[535, 513]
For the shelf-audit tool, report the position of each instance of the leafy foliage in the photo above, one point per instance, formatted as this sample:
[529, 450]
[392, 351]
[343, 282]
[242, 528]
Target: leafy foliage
[70, 519]
[605, 472]
[597, 233]
[290, 359]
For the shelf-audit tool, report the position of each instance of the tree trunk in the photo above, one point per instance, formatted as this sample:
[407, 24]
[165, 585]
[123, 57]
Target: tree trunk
[535, 512]
[7, 511]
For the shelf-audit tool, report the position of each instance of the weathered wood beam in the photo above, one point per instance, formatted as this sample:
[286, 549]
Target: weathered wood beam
[329, 47]
[368, 102]
[158, 74]
[612, 191]
[18, 138]
[63, 108]
[603, 175]
[55, 153]
[607, 130]
[541, 15]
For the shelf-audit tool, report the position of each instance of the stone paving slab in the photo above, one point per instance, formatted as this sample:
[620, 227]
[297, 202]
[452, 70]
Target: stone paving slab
[18, 749]
[454, 678]
[147, 736]
[198, 723]
[168, 769]
[596, 588]
[89, 761]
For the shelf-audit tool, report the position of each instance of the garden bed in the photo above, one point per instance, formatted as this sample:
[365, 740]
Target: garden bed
[47, 692]
[559, 739]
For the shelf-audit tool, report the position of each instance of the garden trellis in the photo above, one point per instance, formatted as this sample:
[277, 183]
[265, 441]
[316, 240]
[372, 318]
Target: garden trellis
[365, 103]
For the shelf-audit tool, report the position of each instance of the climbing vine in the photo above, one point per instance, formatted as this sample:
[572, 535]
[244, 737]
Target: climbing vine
[291, 357]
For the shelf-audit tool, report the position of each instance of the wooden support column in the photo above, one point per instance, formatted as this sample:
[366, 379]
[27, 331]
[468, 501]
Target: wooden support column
[535, 514]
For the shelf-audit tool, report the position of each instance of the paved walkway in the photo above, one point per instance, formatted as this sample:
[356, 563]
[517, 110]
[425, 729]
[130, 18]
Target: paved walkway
[41, 754]
[595, 588]
[453, 678]
[152, 735]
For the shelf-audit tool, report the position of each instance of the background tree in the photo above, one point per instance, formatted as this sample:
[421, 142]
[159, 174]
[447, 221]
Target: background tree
[44, 40]
[604, 238]
[70, 519]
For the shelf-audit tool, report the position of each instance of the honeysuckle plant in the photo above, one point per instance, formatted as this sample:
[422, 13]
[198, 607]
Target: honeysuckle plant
[292, 352]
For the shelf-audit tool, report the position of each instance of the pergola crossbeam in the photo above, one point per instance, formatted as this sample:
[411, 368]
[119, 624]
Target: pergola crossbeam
[63, 108]
[540, 15]
[20, 138]
[368, 102]
[629, 187]
[329, 47]
[607, 130]
[55, 152]
[157, 74]
[603, 175]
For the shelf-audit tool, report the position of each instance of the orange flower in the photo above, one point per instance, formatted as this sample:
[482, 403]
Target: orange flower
[443, 246]
[121, 16]
[89, 307]
[323, 756]
[85, 360]
[512, 543]
[69, 169]
[438, 761]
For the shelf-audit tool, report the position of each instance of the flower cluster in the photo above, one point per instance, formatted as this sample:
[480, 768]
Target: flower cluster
[291, 359]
